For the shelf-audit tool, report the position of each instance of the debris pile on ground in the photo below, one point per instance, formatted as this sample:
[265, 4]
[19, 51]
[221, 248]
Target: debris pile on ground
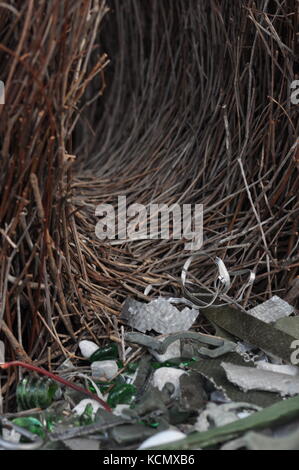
[198, 394]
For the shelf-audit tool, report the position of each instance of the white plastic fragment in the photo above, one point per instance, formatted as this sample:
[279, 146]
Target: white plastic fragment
[119, 410]
[219, 415]
[168, 375]
[87, 348]
[272, 310]
[173, 350]
[81, 406]
[11, 435]
[281, 369]
[104, 369]
[251, 378]
[224, 277]
[161, 438]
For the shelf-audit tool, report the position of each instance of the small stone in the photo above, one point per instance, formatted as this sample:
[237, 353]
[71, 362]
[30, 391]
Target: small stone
[87, 348]
[166, 375]
[107, 369]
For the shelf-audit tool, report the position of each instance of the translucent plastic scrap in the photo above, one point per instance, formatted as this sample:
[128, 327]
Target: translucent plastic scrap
[159, 315]
[272, 310]
[251, 378]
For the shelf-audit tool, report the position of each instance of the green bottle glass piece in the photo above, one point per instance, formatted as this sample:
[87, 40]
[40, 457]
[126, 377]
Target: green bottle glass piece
[132, 367]
[129, 368]
[35, 393]
[87, 417]
[31, 424]
[102, 354]
[121, 394]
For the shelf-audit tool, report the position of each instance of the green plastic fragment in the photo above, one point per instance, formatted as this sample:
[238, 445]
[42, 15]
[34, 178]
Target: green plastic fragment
[102, 354]
[122, 394]
[31, 424]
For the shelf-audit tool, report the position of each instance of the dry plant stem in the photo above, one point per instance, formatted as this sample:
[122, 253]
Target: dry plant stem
[17, 347]
[65, 382]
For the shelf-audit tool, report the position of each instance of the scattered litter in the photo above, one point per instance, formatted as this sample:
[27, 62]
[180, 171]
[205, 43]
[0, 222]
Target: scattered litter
[289, 325]
[166, 375]
[281, 412]
[131, 433]
[104, 369]
[121, 394]
[87, 348]
[252, 330]
[11, 435]
[173, 350]
[220, 415]
[207, 297]
[159, 315]
[91, 351]
[120, 410]
[257, 441]
[164, 437]
[183, 380]
[34, 441]
[82, 444]
[223, 346]
[281, 369]
[272, 310]
[35, 392]
[81, 407]
[251, 378]
[219, 397]
[213, 371]
[192, 391]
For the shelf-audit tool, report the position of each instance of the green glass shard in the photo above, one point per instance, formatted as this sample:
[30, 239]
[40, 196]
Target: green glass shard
[108, 352]
[31, 424]
[35, 393]
[122, 394]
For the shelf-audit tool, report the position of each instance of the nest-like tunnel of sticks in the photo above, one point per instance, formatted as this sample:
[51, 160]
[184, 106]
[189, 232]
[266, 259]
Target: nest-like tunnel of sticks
[163, 101]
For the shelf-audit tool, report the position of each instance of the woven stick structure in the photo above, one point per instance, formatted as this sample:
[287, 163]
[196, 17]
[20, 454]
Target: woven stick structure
[163, 101]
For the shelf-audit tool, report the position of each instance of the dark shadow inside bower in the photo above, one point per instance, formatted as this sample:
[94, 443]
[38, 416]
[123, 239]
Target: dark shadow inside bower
[193, 87]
